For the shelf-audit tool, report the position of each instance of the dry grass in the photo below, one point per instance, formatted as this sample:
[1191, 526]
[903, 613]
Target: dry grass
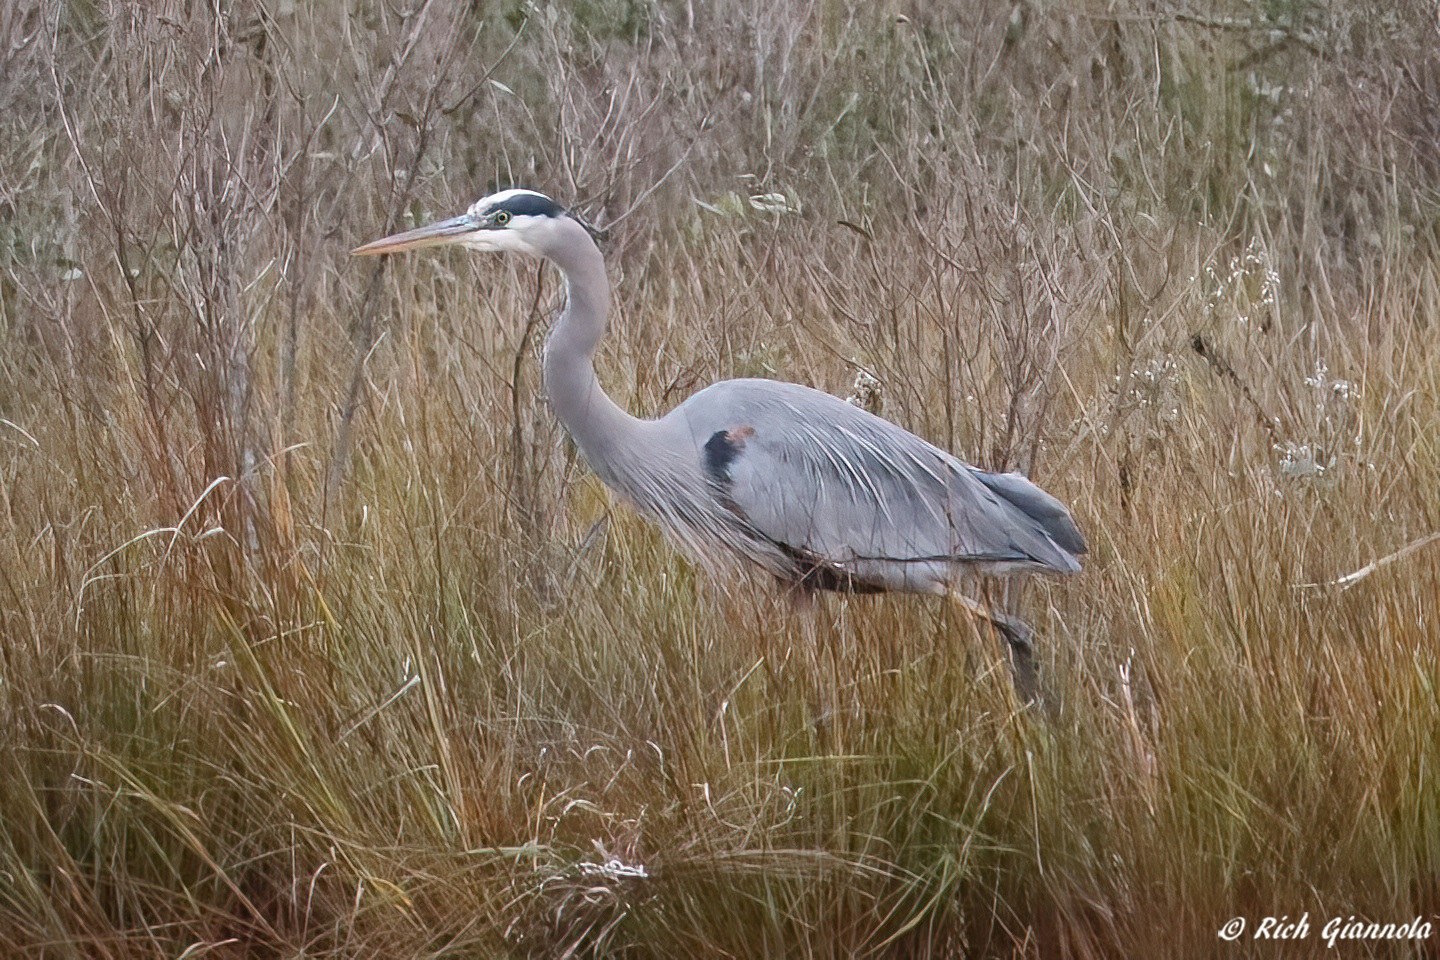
[317, 639]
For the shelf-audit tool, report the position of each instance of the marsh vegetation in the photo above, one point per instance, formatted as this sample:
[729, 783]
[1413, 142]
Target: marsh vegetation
[317, 639]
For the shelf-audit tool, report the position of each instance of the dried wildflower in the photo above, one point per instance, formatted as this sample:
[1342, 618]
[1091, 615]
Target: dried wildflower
[867, 393]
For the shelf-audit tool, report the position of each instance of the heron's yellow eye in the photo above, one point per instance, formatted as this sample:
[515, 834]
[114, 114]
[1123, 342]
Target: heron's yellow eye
[502, 217]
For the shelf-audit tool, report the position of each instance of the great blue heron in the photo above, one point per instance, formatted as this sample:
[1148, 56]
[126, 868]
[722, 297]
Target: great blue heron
[818, 492]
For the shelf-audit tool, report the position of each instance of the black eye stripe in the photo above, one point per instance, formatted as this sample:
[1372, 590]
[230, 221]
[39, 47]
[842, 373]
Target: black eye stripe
[531, 205]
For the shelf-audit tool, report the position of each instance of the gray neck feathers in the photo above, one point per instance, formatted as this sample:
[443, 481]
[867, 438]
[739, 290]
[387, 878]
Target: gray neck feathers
[599, 426]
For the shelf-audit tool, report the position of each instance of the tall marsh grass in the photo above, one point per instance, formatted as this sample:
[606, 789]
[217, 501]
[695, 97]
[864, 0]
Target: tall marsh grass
[318, 639]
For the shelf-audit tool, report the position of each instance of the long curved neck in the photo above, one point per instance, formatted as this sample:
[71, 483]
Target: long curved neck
[596, 422]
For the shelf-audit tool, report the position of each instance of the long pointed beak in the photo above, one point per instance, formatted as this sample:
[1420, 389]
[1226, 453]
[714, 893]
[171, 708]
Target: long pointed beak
[436, 234]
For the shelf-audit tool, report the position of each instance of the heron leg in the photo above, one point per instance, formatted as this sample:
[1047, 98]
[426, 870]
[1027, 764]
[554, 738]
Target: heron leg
[1017, 635]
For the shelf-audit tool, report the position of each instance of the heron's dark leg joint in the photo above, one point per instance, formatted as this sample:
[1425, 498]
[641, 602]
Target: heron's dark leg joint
[1017, 633]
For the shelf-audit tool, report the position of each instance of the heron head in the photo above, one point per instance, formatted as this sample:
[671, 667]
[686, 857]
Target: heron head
[520, 220]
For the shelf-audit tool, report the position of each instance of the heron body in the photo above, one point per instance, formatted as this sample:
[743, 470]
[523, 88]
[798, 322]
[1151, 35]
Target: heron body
[820, 493]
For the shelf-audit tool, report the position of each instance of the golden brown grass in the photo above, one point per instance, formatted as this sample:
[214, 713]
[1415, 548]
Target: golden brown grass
[316, 637]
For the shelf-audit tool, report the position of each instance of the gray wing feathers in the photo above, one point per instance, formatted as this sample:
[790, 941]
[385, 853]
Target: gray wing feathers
[834, 482]
[1035, 503]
